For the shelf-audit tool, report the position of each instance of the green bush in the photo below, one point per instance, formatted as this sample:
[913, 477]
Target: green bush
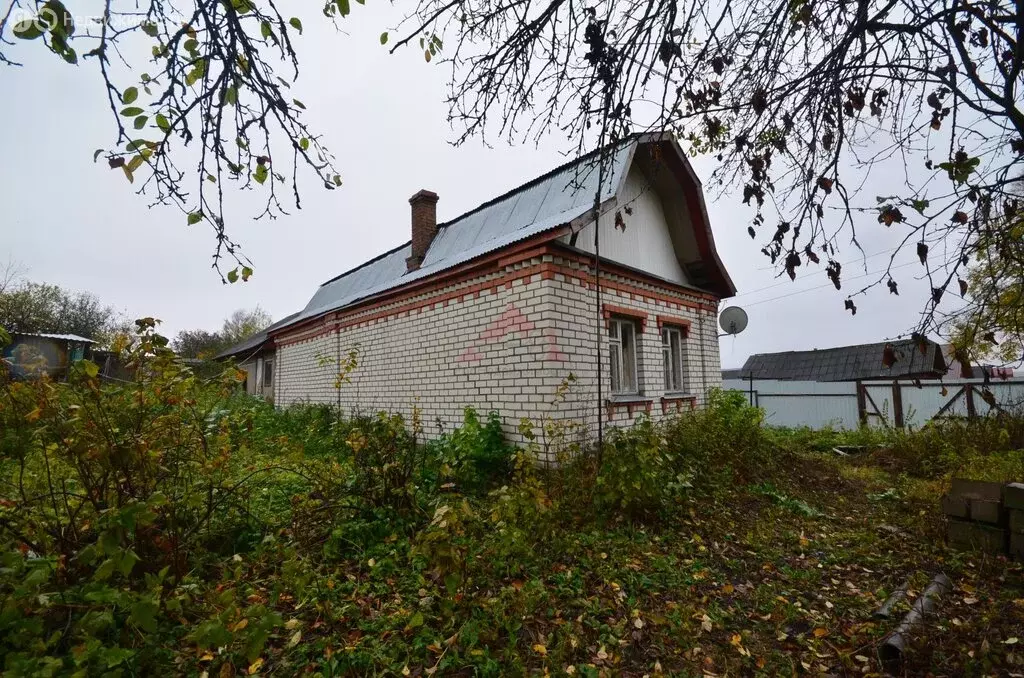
[113, 498]
[475, 457]
[634, 476]
[956, 446]
[722, 444]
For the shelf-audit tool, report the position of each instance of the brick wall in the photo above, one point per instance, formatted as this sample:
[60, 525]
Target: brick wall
[481, 345]
[574, 324]
[504, 340]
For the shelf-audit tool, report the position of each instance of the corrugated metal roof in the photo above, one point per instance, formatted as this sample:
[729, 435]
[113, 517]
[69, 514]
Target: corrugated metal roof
[846, 363]
[549, 201]
[53, 335]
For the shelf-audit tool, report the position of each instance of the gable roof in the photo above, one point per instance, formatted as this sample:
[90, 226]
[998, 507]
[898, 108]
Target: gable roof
[545, 203]
[847, 363]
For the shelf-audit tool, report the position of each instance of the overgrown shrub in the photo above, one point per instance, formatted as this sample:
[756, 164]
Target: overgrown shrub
[722, 444]
[112, 497]
[475, 457]
[635, 475]
[945, 447]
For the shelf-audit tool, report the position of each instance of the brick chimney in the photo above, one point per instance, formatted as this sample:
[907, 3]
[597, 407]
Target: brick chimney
[424, 226]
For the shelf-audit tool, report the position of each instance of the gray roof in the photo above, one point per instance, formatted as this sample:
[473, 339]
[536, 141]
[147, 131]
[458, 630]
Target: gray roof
[52, 335]
[549, 201]
[255, 342]
[847, 363]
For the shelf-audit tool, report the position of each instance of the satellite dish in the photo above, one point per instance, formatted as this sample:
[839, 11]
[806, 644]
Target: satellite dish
[733, 320]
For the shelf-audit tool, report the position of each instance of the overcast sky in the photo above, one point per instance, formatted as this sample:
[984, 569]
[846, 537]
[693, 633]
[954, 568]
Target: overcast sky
[78, 224]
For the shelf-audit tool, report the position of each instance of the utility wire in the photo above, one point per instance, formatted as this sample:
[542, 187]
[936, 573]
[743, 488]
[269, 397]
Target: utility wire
[821, 287]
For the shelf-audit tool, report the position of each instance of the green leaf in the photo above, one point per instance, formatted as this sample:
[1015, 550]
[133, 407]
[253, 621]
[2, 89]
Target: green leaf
[246, 273]
[128, 174]
[105, 569]
[436, 42]
[28, 29]
[212, 179]
[260, 175]
[384, 38]
[265, 30]
[149, 28]
[90, 368]
[415, 622]
[162, 122]
[135, 163]
[130, 95]
[191, 45]
[140, 121]
[197, 72]
[62, 22]
[231, 96]
[131, 111]
[304, 143]
[299, 104]
[343, 8]
[144, 615]
[128, 561]
[233, 275]
[195, 218]
[296, 24]
[337, 180]
[920, 205]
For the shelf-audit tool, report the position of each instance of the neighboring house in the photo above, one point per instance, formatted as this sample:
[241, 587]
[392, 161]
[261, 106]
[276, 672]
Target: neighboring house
[35, 354]
[497, 308]
[732, 373]
[255, 356]
[849, 363]
[957, 369]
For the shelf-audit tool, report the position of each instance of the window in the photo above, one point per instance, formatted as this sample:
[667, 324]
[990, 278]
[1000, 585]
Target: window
[268, 373]
[622, 356]
[672, 356]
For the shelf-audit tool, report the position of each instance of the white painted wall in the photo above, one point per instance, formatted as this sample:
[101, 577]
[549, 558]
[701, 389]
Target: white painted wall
[646, 243]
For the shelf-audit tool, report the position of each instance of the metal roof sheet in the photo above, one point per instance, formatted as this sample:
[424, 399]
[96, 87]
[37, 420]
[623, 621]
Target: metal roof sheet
[846, 363]
[549, 201]
[53, 335]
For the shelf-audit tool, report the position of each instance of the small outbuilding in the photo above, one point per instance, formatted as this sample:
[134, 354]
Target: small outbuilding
[35, 354]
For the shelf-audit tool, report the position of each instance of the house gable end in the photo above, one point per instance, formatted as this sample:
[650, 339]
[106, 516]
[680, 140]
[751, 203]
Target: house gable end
[658, 223]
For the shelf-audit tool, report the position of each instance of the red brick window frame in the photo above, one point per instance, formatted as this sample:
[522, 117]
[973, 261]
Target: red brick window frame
[608, 310]
[673, 321]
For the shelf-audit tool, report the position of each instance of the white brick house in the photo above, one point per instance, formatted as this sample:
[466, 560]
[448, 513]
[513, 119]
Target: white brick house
[496, 308]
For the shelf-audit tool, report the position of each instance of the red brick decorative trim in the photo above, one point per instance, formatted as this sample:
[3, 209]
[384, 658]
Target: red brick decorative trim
[640, 403]
[677, 402]
[674, 321]
[608, 310]
[490, 266]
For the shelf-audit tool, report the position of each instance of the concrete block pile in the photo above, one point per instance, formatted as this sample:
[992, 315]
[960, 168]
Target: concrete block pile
[986, 516]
